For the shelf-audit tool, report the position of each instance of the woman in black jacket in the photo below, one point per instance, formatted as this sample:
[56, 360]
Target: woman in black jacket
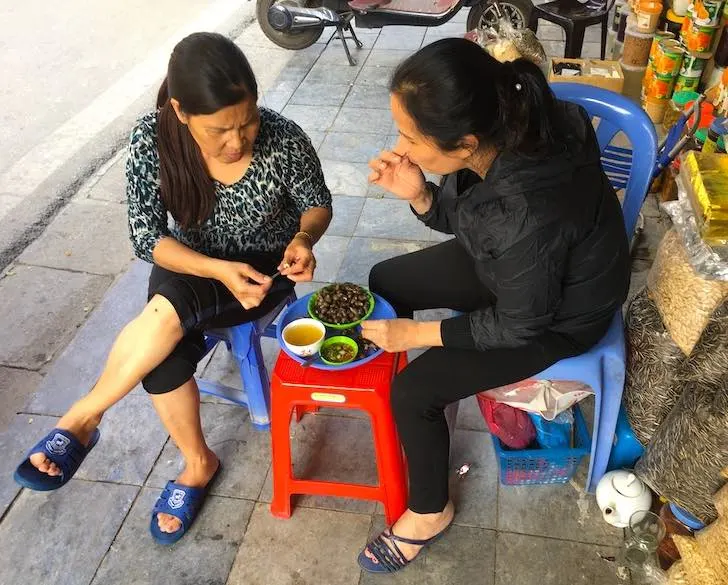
[538, 266]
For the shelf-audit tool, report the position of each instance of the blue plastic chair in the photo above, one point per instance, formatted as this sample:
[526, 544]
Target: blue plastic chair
[243, 342]
[603, 367]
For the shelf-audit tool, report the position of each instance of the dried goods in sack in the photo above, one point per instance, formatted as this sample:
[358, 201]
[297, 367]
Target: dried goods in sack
[714, 538]
[685, 300]
[653, 361]
[677, 575]
[684, 459]
[708, 362]
[721, 498]
[699, 567]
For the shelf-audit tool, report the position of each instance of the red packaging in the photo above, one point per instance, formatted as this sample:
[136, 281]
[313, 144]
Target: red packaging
[511, 425]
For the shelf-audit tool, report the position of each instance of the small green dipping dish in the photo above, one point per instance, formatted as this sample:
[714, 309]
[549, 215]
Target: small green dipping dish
[336, 340]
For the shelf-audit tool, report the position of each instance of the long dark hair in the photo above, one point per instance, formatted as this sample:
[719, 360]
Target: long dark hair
[453, 88]
[206, 72]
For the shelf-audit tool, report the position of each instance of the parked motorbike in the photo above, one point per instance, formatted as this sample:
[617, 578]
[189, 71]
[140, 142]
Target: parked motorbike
[297, 24]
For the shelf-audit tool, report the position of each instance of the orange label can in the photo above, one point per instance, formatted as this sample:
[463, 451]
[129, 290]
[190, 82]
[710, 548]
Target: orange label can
[669, 58]
[700, 38]
[684, 83]
[660, 87]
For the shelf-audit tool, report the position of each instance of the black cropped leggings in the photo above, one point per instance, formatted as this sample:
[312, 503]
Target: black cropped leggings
[204, 303]
[443, 276]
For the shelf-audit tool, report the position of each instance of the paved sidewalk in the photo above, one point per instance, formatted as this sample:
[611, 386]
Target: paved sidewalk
[68, 295]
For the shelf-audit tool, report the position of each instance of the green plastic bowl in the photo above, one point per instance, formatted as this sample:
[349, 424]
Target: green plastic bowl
[339, 339]
[312, 301]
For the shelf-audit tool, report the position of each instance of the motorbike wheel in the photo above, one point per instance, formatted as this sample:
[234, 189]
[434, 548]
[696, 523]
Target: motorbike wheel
[294, 41]
[484, 13]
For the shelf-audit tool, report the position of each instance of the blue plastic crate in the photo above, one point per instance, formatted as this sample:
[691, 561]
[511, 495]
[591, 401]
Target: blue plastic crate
[541, 466]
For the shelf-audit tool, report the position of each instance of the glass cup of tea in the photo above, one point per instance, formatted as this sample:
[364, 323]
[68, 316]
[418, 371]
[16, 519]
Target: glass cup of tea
[304, 337]
[644, 534]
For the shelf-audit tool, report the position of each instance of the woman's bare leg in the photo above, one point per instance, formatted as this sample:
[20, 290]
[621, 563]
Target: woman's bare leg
[180, 414]
[140, 347]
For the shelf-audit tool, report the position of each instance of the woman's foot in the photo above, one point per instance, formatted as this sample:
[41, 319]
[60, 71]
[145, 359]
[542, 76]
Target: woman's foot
[197, 473]
[417, 527]
[80, 426]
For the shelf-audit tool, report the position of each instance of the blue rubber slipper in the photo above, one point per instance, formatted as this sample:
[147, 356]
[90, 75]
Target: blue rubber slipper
[63, 449]
[182, 502]
[387, 558]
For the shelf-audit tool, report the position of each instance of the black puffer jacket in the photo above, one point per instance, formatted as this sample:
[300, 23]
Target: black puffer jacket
[547, 237]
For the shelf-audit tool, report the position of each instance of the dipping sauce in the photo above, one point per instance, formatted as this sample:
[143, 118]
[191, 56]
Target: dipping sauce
[338, 353]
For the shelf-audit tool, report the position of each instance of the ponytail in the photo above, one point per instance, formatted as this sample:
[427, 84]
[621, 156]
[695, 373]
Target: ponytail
[527, 108]
[453, 88]
[187, 190]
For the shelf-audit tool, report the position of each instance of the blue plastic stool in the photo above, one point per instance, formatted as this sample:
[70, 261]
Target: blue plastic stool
[626, 449]
[244, 343]
[603, 367]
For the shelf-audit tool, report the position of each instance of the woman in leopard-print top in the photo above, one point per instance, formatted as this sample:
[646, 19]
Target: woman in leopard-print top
[245, 197]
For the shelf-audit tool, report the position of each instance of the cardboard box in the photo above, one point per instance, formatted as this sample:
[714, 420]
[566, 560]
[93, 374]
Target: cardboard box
[592, 73]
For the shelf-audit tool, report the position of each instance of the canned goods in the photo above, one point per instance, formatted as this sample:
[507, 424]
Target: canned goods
[687, 83]
[647, 80]
[693, 65]
[676, 107]
[707, 12]
[699, 38]
[660, 87]
[668, 58]
[660, 35]
[687, 22]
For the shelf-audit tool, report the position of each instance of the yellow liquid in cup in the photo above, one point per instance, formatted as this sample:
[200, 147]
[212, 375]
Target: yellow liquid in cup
[303, 334]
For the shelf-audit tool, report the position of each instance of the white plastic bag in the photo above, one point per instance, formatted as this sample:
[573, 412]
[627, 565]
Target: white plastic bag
[506, 43]
[545, 397]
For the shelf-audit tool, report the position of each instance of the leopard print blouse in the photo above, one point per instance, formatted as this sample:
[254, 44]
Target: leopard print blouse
[259, 213]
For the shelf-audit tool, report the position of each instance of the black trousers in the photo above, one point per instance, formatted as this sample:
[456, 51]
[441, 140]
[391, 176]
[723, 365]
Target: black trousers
[204, 303]
[443, 276]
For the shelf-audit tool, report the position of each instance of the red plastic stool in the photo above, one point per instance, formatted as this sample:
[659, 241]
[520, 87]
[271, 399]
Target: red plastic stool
[365, 388]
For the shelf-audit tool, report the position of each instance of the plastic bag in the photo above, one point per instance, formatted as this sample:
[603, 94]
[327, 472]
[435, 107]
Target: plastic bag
[554, 434]
[506, 43]
[510, 425]
[708, 262]
[543, 397]
[684, 299]
[704, 175]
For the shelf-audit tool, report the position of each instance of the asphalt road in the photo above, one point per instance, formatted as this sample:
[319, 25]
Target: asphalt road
[75, 76]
